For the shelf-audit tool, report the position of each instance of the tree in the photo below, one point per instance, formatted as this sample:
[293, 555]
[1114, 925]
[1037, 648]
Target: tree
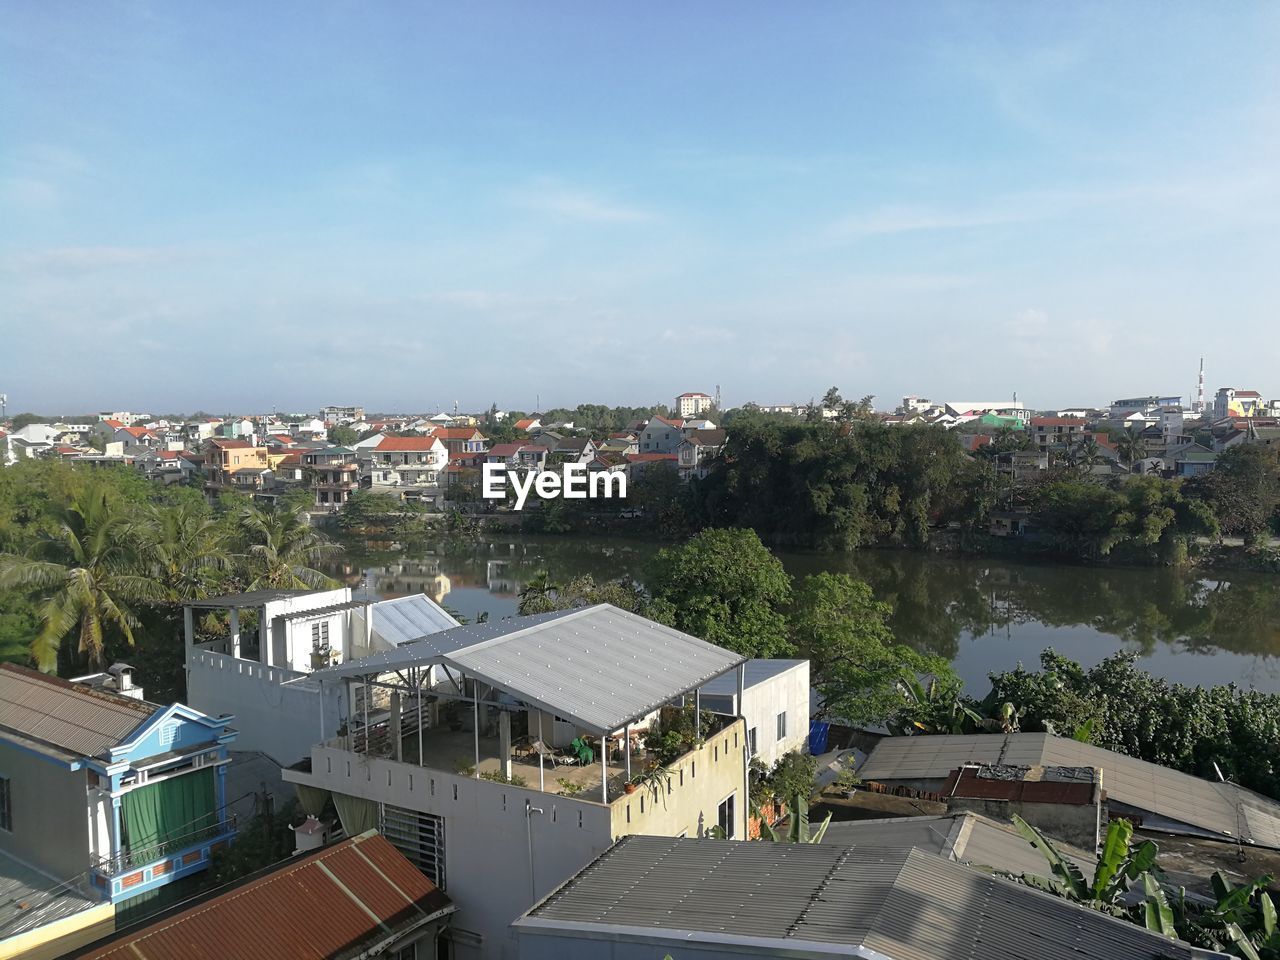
[1131, 446]
[89, 573]
[184, 549]
[725, 587]
[282, 549]
[855, 662]
[1243, 490]
[797, 824]
[341, 435]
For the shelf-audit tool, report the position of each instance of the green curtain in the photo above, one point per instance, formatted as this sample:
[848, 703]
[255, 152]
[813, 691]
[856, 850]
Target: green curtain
[312, 799]
[356, 813]
[176, 809]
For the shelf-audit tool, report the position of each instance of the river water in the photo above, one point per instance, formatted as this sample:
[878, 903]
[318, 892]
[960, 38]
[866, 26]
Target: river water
[983, 614]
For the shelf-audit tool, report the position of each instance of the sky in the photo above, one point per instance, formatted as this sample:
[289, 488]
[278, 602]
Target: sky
[243, 206]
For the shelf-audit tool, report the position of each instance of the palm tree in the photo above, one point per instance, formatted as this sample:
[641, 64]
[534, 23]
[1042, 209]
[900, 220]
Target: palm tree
[184, 549]
[539, 594]
[90, 572]
[1131, 447]
[282, 549]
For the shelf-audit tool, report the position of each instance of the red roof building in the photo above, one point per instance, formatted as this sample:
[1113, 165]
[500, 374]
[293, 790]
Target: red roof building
[360, 897]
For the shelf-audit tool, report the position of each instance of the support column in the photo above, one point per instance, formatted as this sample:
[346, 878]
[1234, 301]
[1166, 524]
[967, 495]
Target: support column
[475, 721]
[189, 641]
[418, 674]
[604, 768]
[626, 750]
[504, 743]
[235, 633]
[697, 715]
[542, 744]
[397, 744]
[264, 637]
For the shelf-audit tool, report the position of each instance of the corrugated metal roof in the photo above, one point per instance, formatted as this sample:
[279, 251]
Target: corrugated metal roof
[407, 619]
[757, 671]
[905, 904]
[29, 899]
[598, 666]
[66, 720]
[338, 902]
[1219, 808]
[964, 837]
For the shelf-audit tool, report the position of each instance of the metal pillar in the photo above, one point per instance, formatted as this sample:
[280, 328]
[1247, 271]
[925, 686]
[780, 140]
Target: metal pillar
[235, 633]
[542, 777]
[504, 743]
[626, 750]
[604, 768]
[419, 678]
[475, 702]
[697, 715]
[397, 745]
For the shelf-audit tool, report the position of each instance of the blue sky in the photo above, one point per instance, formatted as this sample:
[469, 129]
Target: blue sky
[237, 206]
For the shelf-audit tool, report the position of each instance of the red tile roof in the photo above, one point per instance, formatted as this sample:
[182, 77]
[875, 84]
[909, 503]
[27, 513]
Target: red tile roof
[671, 423]
[113, 423]
[336, 902]
[526, 423]
[457, 433]
[683, 395]
[222, 444]
[422, 444]
[504, 449]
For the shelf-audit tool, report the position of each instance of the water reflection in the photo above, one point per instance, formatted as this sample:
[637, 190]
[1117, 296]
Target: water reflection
[983, 614]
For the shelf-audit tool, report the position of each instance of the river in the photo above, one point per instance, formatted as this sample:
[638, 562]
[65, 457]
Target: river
[983, 614]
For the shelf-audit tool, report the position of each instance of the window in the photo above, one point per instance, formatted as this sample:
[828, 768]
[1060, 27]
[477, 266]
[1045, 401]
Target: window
[725, 817]
[320, 634]
[419, 836]
[751, 741]
[782, 724]
[168, 734]
[6, 808]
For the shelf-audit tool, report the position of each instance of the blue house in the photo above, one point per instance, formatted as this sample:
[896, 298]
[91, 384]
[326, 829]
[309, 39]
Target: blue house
[117, 795]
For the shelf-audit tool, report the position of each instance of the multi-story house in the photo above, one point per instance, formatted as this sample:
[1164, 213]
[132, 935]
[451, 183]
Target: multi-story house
[696, 452]
[661, 436]
[1057, 432]
[117, 795]
[261, 676]
[234, 464]
[692, 404]
[461, 439]
[332, 415]
[508, 754]
[404, 462]
[334, 473]
[1231, 402]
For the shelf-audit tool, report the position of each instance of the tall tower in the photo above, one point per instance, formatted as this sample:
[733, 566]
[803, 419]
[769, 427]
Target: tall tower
[1198, 406]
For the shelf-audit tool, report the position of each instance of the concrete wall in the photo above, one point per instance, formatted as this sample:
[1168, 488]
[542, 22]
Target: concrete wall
[50, 813]
[281, 721]
[1077, 824]
[687, 804]
[487, 837]
[762, 703]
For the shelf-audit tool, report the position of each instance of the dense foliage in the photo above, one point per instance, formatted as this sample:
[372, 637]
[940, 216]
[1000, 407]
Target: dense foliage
[1128, 710]
[95, 565]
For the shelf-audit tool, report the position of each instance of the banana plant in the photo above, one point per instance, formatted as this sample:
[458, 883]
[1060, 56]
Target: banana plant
[1119, 865]
[798, 826]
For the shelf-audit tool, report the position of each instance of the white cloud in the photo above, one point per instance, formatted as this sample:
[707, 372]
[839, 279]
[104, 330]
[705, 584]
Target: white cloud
[569, 203]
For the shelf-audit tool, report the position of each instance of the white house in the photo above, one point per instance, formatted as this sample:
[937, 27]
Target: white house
[775, 706]
[460, 775]
[692, 404]
[661, 436]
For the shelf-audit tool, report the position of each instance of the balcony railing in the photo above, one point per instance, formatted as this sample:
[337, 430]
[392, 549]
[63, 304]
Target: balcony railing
[128, 860]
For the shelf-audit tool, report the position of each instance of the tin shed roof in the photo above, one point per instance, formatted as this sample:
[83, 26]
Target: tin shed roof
[62, 719]
[342, 901]
[598, 666]
[411, 618]
[1222, 809]
[805, 899]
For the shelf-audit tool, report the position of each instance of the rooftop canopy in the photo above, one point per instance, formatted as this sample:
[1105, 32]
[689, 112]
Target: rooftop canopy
[598, 666]
[255, 598]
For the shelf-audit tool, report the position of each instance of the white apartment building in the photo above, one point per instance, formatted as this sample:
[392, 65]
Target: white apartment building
[689, 405]
[461, 760]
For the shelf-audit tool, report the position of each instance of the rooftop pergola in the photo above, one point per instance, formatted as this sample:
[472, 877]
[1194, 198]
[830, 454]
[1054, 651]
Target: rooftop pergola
[599, 667]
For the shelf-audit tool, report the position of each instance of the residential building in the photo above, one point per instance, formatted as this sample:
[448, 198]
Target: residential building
[1178, 802]
[574, 450]
[335, 415]
[261, 677]
[1057, 432]
[713, 900]
[974, 408]
[529, 425]
[696, 452]
[1231, 402]
[357, 898]
[404, 462]
[334, 473]
[438, 769]
[692, 404]
[461, 439]
[775, 706]
[1193, 460]
[661, 436]
[1120, 409]
[116, 794]
[233, 464]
